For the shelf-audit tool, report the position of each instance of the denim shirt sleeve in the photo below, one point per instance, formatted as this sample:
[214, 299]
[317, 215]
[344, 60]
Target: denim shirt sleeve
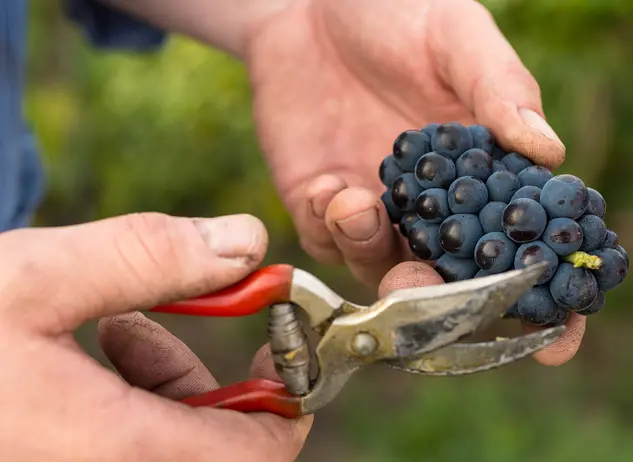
[108, 28]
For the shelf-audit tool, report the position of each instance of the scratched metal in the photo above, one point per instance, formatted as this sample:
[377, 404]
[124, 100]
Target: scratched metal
[412, 322]
[470, 358]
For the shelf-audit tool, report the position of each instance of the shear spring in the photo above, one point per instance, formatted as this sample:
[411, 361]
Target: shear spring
[289, 347]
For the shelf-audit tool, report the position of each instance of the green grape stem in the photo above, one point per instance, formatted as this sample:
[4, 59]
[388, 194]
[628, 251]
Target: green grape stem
[583, 260]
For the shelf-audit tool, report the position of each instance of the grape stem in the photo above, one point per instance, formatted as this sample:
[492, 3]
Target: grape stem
[583, 260]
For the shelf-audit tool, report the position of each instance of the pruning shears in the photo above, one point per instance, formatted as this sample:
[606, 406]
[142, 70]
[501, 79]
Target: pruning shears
[415, 330]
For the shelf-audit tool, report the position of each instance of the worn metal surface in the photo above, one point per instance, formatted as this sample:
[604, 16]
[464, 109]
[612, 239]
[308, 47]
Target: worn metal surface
[470, 358]
[289, 348]
[320, 303]
[411, 322]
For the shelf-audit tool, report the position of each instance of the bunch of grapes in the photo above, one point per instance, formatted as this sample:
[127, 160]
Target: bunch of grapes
[475, 210]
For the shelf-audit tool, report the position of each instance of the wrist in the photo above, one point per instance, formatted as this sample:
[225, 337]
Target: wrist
[223, 24]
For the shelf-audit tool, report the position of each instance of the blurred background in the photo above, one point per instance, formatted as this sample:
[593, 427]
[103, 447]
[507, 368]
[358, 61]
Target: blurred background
[125, 133]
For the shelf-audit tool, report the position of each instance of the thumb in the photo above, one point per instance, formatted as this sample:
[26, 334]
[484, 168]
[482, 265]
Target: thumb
[477, 61]
[55, 279]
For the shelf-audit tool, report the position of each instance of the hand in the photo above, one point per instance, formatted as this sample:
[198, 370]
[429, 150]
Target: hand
[335, 81]
[58, 404]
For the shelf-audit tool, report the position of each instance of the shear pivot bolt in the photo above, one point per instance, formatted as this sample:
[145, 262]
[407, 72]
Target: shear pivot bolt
[364, 344]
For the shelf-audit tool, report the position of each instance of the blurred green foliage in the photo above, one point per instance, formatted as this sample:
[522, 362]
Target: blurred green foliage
[124, 133]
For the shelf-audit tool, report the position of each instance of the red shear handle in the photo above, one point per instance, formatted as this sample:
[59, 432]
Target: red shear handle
[259, 290]
[252, 396]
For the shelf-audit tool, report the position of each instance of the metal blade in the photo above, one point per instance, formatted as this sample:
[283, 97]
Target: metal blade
[423, 319]
[469, 358]
[411, 322]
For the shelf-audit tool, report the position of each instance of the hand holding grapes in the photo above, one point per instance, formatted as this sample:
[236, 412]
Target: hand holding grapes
[335, 81]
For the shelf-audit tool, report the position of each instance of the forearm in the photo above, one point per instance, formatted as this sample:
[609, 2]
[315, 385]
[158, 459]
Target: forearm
[224, 24]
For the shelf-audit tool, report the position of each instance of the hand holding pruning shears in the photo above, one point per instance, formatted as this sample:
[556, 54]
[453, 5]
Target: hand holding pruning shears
[56, 279]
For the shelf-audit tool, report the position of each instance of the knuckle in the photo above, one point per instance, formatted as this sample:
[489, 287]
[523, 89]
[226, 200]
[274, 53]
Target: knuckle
[257, 251]
[327, 184]
[146, 224]
[148, 245]
[154, 231]
[527, 86]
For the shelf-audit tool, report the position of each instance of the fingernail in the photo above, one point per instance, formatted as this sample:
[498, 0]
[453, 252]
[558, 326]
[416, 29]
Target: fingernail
[319, 205]
[321, 192]
[233, 236]
[360, 227]
[536, 122]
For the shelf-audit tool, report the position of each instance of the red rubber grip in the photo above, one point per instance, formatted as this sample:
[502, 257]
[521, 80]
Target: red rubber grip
[257, 395]
[256, 292]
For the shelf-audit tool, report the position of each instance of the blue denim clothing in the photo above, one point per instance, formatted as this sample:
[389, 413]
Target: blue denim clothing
[22, 179]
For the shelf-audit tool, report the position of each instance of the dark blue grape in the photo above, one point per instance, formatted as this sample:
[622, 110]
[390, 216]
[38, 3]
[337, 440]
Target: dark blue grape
[611, 240]
[483, 273]
[455, 269]
[613, 269]
[562, 315]
[395, 214]
[573, 288]
[595, 307]
[476, 210]
[624, 254]
[389, 170]
[467, 195]
[516, 162]
[459, 235]
[498, 153]
[563, 235]
[528, 192]
[490, 216]
[565, 196]
[537, 307]
[424, 241]
[409, 146]
[435, 171]
[534, 175]
[430, 129]
[524, 220]
[497, 166]
[536, 252]
[432, 205]
[452, 140]
[482, 138]
[407, 222]
[494, 252]
[513, 312]
[476, 163]
[593, 231]
[597, 205]
[404, 191]
[502, 186]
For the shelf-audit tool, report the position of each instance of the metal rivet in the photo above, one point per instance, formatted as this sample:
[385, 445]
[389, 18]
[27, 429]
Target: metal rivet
[364, 344]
